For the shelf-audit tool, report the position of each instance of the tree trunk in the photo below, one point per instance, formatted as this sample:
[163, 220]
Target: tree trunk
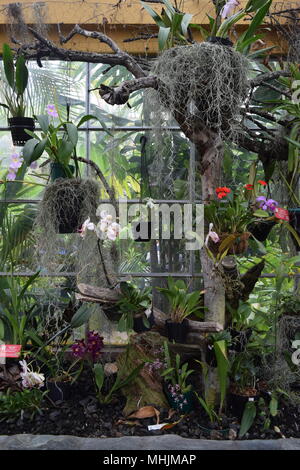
[210, 156]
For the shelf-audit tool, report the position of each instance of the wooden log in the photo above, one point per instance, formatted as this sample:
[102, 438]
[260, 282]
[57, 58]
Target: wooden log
[194, 326]
[95, 294]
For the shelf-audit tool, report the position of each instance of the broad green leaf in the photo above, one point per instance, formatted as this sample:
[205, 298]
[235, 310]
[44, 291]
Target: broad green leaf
[158, 20]
[273, 406]
[21, 75]
[28, 150]
[163, 36]
[248, 418]
[8, 62]
[72, 133]
[99, 376]
[223, 367]
[81, 316]
[185, 22]
[43, 121]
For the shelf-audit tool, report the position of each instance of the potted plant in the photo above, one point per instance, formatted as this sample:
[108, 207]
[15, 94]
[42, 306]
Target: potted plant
[13, 91]
[68, 199]
[182, 304]
[178, 392]
[229, 216]
[243, 382]
[136, 308]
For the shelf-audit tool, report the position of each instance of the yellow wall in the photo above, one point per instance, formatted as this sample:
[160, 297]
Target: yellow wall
[127, 20]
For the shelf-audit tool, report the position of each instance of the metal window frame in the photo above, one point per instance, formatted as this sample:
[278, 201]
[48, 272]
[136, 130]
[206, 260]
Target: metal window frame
[88, 129]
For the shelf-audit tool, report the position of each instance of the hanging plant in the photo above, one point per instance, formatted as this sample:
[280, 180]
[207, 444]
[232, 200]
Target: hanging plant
[203, 84]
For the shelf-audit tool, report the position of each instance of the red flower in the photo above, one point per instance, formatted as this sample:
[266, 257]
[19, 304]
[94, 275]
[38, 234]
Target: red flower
[249, 186]
[223, 189]
[221, 195]
[262, 182]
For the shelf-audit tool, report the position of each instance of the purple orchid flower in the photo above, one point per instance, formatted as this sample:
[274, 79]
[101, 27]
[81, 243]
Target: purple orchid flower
[267, 204]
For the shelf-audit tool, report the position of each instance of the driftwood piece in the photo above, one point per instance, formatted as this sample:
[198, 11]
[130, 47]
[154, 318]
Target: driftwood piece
[146, 389]
[194, 326]
[89, 293]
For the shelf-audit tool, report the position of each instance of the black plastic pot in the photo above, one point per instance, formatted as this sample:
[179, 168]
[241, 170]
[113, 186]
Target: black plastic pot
[260, 230]
[295, 223]
[177, 331]
[17, 127]
[181, 406]
[139, 325]
[236, 403]
[58, 171]
[141, 231]
[58, 391]
[220, 41]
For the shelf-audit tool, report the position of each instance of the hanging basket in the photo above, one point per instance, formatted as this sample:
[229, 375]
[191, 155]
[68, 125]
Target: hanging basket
[17, 127]
[261, 229]
[238, 247]
[294, 215]
[66, 204]
[220, 41]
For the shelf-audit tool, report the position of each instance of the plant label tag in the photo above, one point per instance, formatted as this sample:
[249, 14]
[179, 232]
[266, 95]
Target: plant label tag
[251, 399]
[282, 214]
[155, 427]
[10, 350]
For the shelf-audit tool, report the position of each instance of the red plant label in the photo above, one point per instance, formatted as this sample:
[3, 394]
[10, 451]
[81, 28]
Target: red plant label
[10, 350]
[282, 214]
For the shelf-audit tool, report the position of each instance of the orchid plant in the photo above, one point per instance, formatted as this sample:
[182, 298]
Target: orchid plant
[58, 140]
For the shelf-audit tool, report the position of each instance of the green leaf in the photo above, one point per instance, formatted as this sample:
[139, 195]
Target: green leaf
[64, 151]
[82, 316]
[30, 152]
[273, 406]
[72, 133]
[43, 121]
[257, 20]
[163, 35]
[158, 20]
[223, 367]
[248, 418]
[185, 22]
[21, 75]
[99, 376]
[8, 62]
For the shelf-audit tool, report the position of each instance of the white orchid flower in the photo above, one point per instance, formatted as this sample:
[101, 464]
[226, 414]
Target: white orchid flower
[213, 235]
[87, 225]
[30, 379]
[113, 231]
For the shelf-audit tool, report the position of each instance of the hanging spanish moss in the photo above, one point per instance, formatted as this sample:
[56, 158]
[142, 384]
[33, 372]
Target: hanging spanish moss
[203, 84]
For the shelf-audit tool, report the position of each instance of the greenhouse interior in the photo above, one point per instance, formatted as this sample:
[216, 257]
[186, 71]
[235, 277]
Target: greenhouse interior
[155, 303]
